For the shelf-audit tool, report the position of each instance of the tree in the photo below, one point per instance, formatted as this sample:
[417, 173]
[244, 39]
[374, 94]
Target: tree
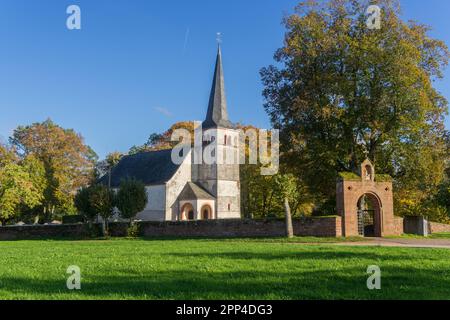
[131, 198]
[105, 166]
[36, 175]
[67, 161]
[83, 204]
[163, 141]
[18, 186]
[286, 187]
[259, 195]
[343, 92]
[101, 200]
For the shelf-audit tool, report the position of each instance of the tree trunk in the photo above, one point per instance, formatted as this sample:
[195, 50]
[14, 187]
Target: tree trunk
[104, 227]
[289, 228]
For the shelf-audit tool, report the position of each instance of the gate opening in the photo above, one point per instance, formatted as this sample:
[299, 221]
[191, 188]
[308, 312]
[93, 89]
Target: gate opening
[369, 216]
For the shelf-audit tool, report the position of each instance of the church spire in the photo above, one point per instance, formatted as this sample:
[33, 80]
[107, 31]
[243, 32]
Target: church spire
[217, 115]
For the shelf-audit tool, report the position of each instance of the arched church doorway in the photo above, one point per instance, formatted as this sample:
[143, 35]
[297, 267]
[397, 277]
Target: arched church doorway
[187, 212]
[369, 216]
[206, 212]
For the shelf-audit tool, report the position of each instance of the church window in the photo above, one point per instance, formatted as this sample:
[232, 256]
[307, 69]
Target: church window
[229, 207]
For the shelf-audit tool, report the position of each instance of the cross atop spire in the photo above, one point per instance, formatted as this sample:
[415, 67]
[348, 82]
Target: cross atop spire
[219, 37]
[217, 115]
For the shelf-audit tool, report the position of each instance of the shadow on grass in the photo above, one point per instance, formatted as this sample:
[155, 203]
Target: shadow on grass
[325, 254]
[349, 283]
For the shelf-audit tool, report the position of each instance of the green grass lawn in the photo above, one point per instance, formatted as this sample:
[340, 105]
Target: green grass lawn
[218, 269]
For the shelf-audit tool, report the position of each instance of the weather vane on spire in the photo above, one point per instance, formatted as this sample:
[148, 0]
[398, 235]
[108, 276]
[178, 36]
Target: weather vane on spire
[219, 37]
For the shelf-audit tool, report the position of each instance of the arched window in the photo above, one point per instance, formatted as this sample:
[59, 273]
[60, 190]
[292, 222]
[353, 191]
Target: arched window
[225, 140]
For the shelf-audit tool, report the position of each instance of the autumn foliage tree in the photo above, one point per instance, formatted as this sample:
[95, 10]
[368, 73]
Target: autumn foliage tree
[21, 184]
[162, 141]
[67, 161]
[341, 92]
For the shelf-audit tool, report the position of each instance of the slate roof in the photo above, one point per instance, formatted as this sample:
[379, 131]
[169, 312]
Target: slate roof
[193, 191]
[217, 115]
[151, 168]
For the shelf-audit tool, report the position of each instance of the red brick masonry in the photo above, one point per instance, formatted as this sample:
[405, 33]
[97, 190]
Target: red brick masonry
[397, 226]
[435, 227]
[320, 227]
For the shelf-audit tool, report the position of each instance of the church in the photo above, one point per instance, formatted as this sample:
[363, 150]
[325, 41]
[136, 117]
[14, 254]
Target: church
[190, 191]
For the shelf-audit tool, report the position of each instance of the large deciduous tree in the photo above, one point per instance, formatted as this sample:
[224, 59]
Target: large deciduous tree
[67, 161]
[21, 184]
[342, 91]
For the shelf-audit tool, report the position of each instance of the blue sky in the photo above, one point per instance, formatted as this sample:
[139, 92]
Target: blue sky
[137, 66]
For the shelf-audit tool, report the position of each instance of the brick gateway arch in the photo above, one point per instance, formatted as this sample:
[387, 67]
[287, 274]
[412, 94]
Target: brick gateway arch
[365, 203]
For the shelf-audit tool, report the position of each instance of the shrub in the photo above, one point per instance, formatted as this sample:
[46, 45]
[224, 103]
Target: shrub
[102, 200]
[133, 231]
[131, 198]
[83, 204]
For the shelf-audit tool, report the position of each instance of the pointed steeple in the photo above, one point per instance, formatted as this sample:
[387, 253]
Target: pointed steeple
[217, 115]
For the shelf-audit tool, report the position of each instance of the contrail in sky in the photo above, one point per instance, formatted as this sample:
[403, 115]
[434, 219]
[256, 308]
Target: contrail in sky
[164, 111]
[186, 38]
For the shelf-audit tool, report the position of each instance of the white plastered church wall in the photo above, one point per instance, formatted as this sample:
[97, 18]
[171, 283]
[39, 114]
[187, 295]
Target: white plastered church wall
[174, 187]
[155, 209]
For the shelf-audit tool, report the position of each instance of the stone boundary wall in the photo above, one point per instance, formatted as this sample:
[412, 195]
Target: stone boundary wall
[49, 231]
[398, 226]
[435, 227]
[319, 227]
[419, 225]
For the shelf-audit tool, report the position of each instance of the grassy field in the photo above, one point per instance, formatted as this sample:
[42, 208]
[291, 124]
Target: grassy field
[218, 269]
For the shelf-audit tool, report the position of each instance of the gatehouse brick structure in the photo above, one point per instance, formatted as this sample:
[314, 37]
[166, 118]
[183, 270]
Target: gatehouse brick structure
[365, 203]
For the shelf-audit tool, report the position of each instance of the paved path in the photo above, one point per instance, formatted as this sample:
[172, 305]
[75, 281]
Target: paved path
[409, 243]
